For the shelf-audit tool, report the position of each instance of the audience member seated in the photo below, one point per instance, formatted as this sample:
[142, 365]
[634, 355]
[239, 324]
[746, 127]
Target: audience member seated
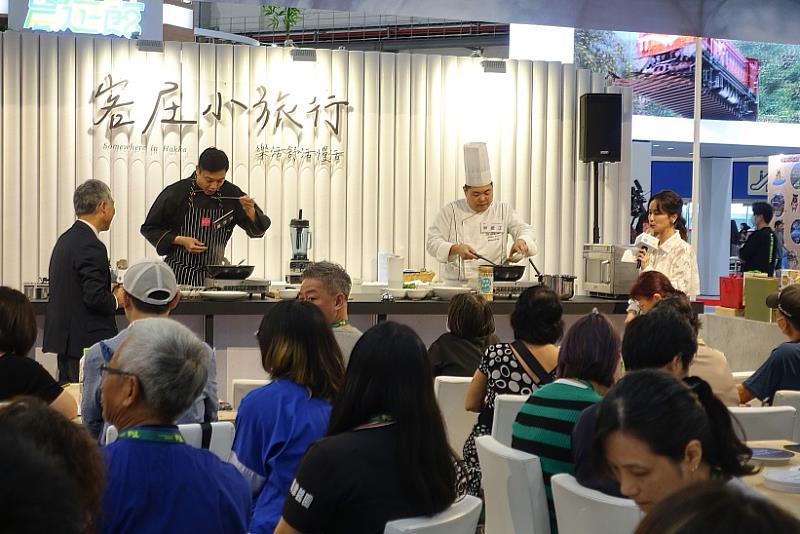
[20, 375]
[649, 288]
[514, 368]
[36, 495]
[156, 482]
[277, 422]
[782, 369]
[470, 322]
[657, 435]
[588, 364]
[709, 364]
[70, 445]
[715, 506]
[327, 285]
[386, 455]
[149, 289]
[662, 339]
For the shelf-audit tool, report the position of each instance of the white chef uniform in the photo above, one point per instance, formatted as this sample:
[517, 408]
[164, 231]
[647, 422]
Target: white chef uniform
[487, 232]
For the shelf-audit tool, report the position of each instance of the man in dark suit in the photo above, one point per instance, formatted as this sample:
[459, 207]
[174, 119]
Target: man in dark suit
[81, 308]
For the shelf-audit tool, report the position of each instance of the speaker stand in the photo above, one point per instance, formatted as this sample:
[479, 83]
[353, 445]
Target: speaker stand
[596, 180]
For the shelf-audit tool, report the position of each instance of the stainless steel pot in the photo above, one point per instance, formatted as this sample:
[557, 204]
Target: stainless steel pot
[562, 284]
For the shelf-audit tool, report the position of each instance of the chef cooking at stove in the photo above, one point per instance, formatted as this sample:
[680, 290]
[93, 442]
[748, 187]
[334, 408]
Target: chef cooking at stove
[476, 225]
[192, 220]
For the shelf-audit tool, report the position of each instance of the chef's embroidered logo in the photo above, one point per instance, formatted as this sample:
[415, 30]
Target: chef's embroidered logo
[300, 495]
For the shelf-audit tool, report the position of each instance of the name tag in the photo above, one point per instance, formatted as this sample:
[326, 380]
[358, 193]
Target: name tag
[205, 221]
[224, 221]
[496, 227]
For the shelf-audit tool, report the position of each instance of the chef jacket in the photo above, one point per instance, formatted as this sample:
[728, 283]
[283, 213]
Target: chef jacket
[486, 232]
[166, 216]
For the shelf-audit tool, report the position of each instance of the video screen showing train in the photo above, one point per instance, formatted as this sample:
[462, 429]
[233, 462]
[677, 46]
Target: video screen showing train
[740, 80]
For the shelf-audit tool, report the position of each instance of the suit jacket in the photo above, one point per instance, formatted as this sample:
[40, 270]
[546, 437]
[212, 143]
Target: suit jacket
[81, 308]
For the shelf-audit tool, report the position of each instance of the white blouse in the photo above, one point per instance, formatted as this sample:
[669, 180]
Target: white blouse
[676, 260]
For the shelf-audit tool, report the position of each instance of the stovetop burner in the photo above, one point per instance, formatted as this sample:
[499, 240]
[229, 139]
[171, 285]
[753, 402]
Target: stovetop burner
[511, 290]
[254, 286]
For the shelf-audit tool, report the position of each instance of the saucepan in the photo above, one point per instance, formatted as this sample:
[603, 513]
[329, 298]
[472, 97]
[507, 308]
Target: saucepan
[506, 272]
[562, 284]
[230, 272]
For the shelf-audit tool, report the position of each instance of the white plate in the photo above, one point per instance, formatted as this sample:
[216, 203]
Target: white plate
[223, 295]
[417, 294]
[768, 455]
[288, 294]
[448, 292]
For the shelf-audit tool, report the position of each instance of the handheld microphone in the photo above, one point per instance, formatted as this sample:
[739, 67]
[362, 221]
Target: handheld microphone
[645, 241]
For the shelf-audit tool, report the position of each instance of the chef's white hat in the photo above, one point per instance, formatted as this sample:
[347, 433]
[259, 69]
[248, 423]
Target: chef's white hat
[476, 165]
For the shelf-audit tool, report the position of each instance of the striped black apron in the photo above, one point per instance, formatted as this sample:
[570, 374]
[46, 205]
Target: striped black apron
[190, 268]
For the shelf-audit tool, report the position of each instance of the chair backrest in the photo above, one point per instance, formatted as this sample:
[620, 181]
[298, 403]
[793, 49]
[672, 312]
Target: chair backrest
[243, 386]
[220, 443]
[786, 397]
[460, 518]
[580, 510]
[513, 489]
[506, 408]
[741, 376]
[450, 392]
[766, 423]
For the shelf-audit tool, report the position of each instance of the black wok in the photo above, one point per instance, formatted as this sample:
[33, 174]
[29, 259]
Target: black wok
[508, 273]
[230, 272]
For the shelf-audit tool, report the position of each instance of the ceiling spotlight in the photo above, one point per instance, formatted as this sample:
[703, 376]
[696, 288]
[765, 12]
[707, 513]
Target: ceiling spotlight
[476, 52]
[494, 65]
[655, 145]
[670, 148]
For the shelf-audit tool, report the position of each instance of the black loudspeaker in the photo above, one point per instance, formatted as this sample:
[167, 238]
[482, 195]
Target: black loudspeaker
[601, 127]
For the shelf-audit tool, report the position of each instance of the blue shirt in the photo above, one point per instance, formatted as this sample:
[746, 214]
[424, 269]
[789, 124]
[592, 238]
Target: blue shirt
[780, 371]
[275, 425]
[171, 487]
[204, 409]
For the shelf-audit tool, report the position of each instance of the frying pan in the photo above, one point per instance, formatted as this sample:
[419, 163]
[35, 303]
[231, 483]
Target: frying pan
[506, 273]
[230, 272]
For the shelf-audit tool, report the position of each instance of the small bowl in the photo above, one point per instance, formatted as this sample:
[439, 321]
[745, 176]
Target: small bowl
[417, 294]
[397, 293]
[288, 293]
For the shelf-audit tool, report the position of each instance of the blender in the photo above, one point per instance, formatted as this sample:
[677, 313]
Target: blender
[300, 237]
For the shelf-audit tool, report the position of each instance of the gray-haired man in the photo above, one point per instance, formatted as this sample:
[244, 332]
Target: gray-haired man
[81, 308]
[327, 285]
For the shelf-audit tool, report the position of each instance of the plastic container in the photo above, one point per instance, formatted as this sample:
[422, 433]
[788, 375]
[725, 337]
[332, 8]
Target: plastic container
[486, 282]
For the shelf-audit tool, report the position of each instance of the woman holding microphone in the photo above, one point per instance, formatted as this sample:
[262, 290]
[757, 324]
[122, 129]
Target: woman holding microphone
[674, 256]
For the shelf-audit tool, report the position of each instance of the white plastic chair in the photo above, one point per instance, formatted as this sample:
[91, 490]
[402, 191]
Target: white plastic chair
[765, 423]
[513, 489]
[461, 518]
[450, 393]
[506, 408]
[786, 397]
[580, 510]
[741, 376]
[243, 386]
[222, 433]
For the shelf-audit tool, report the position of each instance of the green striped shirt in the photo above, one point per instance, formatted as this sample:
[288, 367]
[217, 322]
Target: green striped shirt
[544, 427]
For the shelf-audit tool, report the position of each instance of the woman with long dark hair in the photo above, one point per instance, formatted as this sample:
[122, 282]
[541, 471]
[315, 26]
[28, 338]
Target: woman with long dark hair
[658, 435]
[277, 422]
[386, 455]
[674, 256]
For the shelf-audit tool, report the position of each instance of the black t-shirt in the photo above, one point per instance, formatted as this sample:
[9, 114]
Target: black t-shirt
[758, 253]
[23, 376]
[349, 483]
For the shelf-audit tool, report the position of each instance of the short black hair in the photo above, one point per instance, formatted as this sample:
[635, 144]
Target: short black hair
[213, 159]
[763, 209]
[146, 307]
[590, 351]
[537, 316]
[653, 340]
[17, 322]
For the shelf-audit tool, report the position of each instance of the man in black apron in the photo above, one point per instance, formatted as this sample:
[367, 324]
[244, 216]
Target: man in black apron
[192, 220]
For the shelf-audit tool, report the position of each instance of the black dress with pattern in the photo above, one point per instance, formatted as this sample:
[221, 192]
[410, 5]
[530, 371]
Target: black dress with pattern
[505, 376]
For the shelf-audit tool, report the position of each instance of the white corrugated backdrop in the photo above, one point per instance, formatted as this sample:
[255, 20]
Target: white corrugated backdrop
[401, 137]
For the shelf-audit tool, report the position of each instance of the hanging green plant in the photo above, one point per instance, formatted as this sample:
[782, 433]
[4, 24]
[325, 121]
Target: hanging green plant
[285, 17]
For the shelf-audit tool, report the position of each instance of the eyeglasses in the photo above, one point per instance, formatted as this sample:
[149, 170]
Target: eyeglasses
[114, 371]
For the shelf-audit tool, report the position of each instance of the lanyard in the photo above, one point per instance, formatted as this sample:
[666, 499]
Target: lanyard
[376, 421]
[159, 436]
[337, 324]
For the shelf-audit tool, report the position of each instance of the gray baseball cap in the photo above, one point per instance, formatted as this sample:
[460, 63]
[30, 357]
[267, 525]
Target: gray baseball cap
[152, 281]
